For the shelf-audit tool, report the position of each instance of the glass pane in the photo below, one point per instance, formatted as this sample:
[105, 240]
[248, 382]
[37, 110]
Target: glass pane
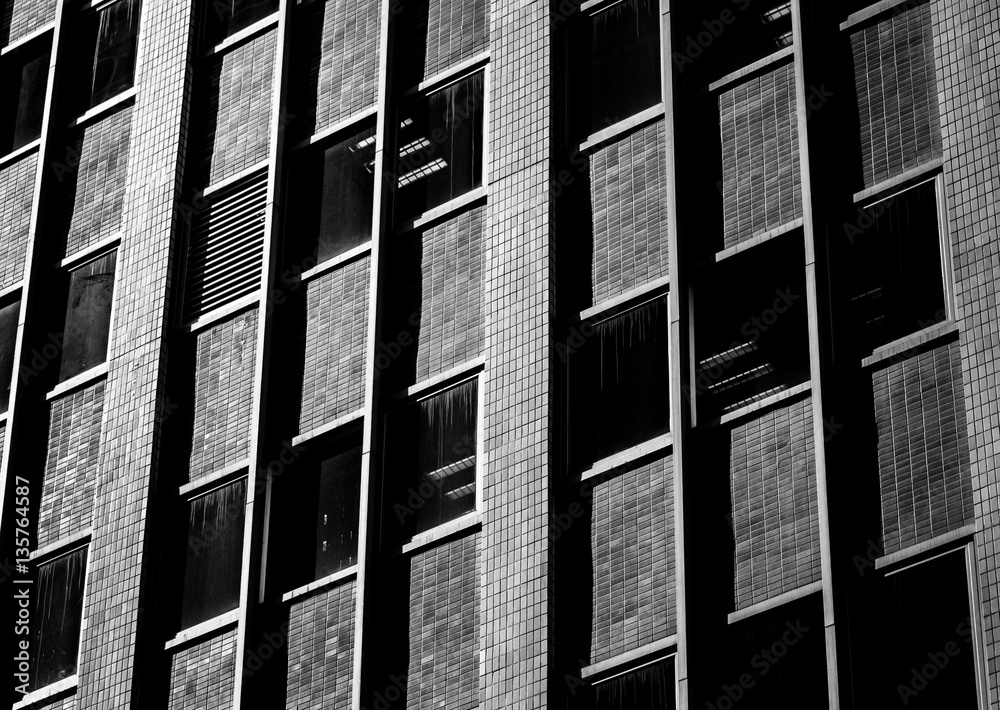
[226, 17]
[59, 608]
[88, 316]
[648, 688]
[23, 99]
[114, 52]
[8, 336]
[213, 556]
[621, 381]
[440, 147]
[624, 62]
[432, 453]
[332, 197]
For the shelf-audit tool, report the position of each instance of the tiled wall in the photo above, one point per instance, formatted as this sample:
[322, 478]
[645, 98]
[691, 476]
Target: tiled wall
[442, 33]
[628, 194]
[321, 650]
[923, 450]
[632, 547]
[760, 155]
[17, 181]
[336, 323]
[444, 627]
[71, 466]
[22, 17]
[775, 517]
[201, 676]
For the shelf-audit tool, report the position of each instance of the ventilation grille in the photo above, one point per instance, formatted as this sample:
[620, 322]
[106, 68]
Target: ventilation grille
[225, 258]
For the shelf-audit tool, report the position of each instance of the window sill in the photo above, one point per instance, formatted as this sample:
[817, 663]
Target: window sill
[213, 480]
[759, 239]
[328, 581]
[12, 289]
[606, 135]
[903, 180]
[787, 53]
[459, 71]
[205, 628]
[244, 35]
[442, 212]
[93, 114]
[755, 407]
[336, 262]
[623, 458]
[905, 347]
[21, 152]
[353, 122]
[90, 253]
[450, 377]
[627, 300]
[59, 547]
[869, 12]
[312, 435]
[774, 602]
[935, 543]
[27, 39]
[442, 532]
[630, 661]
[84, 378]
[209, 319]
[244, 174]
[49, 691]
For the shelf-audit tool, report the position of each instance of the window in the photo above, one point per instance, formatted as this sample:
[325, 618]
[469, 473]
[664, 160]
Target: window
[213, 554]
[226, 17]
[894, 273]
[649, 687]
[431, 467]
[8, 337]
[88, 316]
[440, 147]
[620, 378]
[332, 196]
[56, 621]
[315, 514]
[617, 64]
[105, 47]
[24, 75]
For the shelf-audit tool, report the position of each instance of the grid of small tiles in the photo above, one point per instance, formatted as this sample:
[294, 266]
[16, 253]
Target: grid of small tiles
[774, 504]
[201, 676]
[95, 191]
[22, 17]
[760, 155]
[923, 450]
[897, 93]
[336, 314]
[632, 548]
[321, 650]
[64, 703]
[71, 464]
[340, 62]
[223, 394]
[444, 627]
[628, 193]
[443, 272]
[17, 182]
[443, 33]
[239, 108]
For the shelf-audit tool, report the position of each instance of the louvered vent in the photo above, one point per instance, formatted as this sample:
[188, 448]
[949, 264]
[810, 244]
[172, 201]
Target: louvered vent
[226, 251]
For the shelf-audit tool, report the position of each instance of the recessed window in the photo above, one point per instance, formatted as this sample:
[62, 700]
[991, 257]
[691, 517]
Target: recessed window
[56, 621]
[431, 469]
[650, 687]
[616, 66]
[24, 77]
[213, 554]
[894, 269]
[620, 378]
[88, 316]
[332, 196]
[226, 17]
[440, 147]
[105, 48]
[8, 339]
[315, 515]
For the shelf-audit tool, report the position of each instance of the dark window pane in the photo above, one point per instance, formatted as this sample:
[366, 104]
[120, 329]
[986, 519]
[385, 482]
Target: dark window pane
[432, 460]
[213, 554]
[620, 383]
[624, 61]
[114, 50]
[56, 621]
[440, 147]
[8, 336]
[894, 269]
[226, 17]
[331, 198]
[315, 515]
[23, 97]
[648, 688]
[88, 316]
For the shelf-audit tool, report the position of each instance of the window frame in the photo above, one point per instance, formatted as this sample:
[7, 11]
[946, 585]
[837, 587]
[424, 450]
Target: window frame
[625, 667]
[82, 106]
[20, 54]
[68, 266]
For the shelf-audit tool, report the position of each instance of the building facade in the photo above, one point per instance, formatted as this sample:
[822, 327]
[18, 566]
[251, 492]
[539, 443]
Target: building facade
[370, 354]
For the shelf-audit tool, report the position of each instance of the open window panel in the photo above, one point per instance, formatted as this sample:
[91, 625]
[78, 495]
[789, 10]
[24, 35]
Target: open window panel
[431, 462]
[892, 268]
[223, 18]
[10, 310]
[213, 553]
[87, 323]
[439, 147]
[58, 611]
[649, 686]
[313, 520]
[619, 382]
[104, 44]
[613, 65]
[751, 327]
[331, 194]
[24, 76]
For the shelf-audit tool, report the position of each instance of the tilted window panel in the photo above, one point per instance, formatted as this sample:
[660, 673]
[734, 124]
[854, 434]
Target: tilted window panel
[23, 78]
[104, 53]
[57, 616]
